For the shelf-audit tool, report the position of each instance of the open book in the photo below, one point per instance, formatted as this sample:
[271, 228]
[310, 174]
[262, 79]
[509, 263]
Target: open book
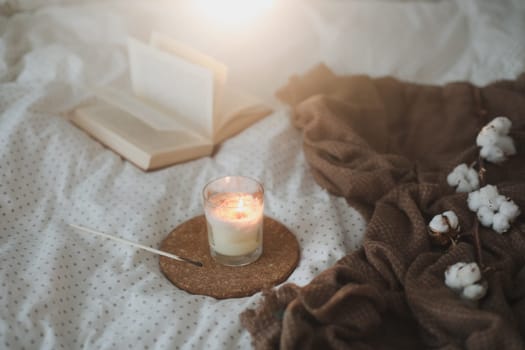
[174, 106]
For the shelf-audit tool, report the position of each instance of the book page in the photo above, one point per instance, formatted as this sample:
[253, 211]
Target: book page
[233, 102]
[174, 84]
[168, 44]
[238, 111]
[220, 71]
[122, 97]
[146, 147]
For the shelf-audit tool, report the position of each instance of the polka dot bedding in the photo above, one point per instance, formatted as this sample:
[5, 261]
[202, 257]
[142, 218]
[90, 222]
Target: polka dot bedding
[60, 289]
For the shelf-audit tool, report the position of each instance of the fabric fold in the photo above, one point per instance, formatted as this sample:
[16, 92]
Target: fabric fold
[387, 147]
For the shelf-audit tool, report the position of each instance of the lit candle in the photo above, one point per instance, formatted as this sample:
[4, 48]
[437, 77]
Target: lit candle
[234, 209]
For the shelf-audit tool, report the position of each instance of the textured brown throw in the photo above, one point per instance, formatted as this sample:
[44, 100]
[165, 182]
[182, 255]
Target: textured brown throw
[387, 147]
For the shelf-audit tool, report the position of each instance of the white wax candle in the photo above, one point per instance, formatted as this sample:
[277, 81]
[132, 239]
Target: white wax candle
[235, 223]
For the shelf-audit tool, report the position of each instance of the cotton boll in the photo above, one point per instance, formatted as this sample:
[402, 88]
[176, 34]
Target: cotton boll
[451, 275]
[485, 216]
[495, 202]
[453, 221]
[488, 192]
[494, 141]
[469, 274]
[462, 274]
[509, 209]
[487, 136]
[457, 174]
[473, 178]
[493, 154]
[501, 124]
[485, 150]
[493, 209]
[438, 224]
[499, 151]
[506, 144]
[444, 228]
[474, 201]
[464, 186]
[465, 179]
[500, 223]
[466, 279]
[454, 178]
[499, 200]
[461, 169]
[474, 291]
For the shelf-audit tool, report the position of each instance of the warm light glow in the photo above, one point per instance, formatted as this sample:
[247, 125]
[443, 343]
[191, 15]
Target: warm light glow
[240, 212]
[233, 11]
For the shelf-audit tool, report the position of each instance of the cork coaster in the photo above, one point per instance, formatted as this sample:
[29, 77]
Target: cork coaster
[279, 258]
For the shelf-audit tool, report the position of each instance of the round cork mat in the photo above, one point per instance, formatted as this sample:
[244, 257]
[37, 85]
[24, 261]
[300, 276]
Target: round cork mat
[190, 240]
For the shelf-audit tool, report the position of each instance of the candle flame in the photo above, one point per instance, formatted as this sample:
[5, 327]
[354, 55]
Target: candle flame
[241, 211]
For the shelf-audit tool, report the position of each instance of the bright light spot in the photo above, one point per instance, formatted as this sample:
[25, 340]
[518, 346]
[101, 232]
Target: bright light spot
[233, 12]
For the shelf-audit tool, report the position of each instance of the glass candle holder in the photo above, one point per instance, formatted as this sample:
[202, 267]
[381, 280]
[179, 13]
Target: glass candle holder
[234, 210]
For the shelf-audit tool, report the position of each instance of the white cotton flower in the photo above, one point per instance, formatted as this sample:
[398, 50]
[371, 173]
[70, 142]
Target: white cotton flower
[493, 209]
[439, 224]
[456, 175]
[469, 274]
[494, 141]
[488, 192]
[493, 154]
[501, 124]
[475, 291]
[451, 275]
[487, 136]
[509, 209]
[498, 201]
[465, 278]
[474, 201]
[500, 223]
[495, 202]
[444, 228]
[462, 274]
[485, 216]
[473, 177]
[444, 222]
[452, 218]
[506, 144]
[464, 178]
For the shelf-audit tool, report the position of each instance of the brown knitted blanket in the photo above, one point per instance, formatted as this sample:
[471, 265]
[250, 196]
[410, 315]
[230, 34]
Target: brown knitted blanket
[387, 147]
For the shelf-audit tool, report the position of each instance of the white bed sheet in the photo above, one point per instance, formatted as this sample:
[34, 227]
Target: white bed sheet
[59, 289]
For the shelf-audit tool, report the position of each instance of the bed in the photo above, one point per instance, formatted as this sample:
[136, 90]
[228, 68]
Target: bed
[61, 290]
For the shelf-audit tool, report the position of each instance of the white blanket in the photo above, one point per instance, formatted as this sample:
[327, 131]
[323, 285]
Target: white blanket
[59, 289]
